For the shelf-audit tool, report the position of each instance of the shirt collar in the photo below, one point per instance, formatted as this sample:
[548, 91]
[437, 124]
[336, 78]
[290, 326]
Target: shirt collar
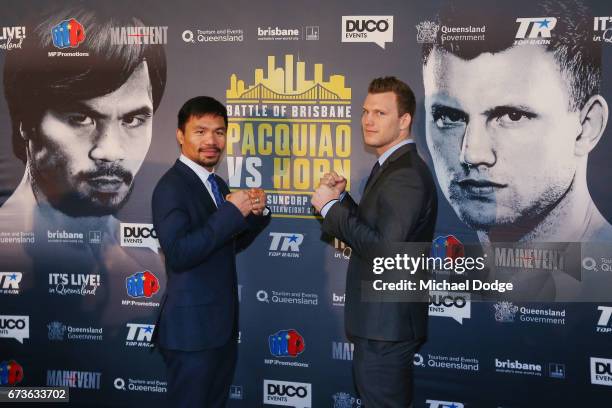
[385, 155]
[199, 170]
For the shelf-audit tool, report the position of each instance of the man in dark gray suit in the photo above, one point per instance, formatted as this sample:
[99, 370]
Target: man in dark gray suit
[398, 206]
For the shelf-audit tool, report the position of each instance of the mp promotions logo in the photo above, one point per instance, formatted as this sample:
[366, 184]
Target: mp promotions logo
[534, 30]
[142, 284]
[286, 343]
[15, 327]
[68, 34]
[290, 394]
[285, 244]
[9, 283]
[376, 29]
[427, 32]
[11, 372]
[505, 311]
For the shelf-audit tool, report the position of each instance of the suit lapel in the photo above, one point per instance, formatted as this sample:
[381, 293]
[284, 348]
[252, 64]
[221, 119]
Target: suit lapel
[396, 154]
[196, 185]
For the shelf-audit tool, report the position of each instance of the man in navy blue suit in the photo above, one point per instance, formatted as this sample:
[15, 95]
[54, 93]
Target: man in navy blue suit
[200, 227]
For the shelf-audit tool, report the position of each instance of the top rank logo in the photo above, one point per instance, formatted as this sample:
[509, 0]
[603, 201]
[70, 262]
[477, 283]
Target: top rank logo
[68, 33]
[139, 35]
[285, 244]
[534, 31]
[427, 32]
[9, 283]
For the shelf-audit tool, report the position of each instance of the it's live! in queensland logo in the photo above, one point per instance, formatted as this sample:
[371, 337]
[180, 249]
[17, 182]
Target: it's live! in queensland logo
[285, 131]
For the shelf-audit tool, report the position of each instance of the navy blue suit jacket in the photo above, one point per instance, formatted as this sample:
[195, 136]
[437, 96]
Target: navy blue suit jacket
[199, 242]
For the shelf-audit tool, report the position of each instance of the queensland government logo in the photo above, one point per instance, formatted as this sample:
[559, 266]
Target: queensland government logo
[345, 400]
[427, 31]
[11, 372]
[285, 131]
[58, 331]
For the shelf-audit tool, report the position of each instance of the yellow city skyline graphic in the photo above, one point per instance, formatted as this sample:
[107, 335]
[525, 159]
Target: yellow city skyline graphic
[289, 83]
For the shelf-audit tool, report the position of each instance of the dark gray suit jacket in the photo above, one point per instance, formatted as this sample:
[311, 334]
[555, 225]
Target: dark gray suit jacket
[399, 205]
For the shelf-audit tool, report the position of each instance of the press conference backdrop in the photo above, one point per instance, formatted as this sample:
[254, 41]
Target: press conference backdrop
[78, 302]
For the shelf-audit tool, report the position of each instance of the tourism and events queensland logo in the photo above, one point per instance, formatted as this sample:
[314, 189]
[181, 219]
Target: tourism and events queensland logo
[290, 126]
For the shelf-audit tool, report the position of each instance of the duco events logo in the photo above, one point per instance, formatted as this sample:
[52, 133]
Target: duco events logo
[505, 312]
[9, 283]
[291, 394]
[139, 335]
[518, 367]
[285, 244]
[604, 323]
[12, 37]
[455, 305]
[15, 327]
[601, 371]
[58, 331]
[87, 380]
[534, 30]
[11, 372]
[139, 35]
[602, 29]
[342, 351]
[142, 284]
[73, 284]
[139, 235]
[345, 400]
[443, 404]
[470, 364]
[376, 29]
[286, 131]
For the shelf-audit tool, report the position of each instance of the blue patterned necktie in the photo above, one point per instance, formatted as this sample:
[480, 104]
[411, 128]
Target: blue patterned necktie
[214, 186]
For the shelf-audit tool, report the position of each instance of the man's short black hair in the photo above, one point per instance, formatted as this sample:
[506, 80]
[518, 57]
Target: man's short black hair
[576, 54]
[34, 81]
[200, 106]
[406, 102]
